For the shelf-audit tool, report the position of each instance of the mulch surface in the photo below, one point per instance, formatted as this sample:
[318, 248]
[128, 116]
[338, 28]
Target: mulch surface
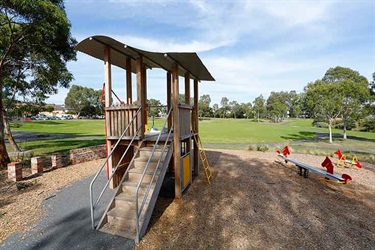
[255, 202]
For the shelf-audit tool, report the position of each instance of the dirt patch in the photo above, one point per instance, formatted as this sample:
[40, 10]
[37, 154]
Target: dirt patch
[20, 204]
[256, 203]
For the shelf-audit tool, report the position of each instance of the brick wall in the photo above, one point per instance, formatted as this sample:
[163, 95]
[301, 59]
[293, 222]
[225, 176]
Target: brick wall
[87, 154]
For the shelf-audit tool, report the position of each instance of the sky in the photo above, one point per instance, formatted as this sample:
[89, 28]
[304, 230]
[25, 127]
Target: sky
[251, 48]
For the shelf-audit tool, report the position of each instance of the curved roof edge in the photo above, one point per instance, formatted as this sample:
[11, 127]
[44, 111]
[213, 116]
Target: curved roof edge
[188, 61]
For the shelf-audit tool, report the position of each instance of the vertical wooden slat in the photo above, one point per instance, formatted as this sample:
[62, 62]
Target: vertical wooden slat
[195, 127]
[140, 93]
[187, 88]
[129, 95]
[169, 98]
[176, 133]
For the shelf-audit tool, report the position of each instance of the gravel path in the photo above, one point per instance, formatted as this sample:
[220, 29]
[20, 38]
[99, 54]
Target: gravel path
[67, 224]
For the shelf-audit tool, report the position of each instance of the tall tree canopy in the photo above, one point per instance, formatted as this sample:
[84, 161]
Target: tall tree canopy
[324, 101]
[35, 44]
[259, 106]
[84, 101]
[354, 90]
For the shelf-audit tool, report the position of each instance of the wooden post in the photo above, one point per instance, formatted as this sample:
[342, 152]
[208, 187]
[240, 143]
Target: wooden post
[140, 94]
[195, 127]
[107, 77]
[108, 103]
[169, 90]
[176, 134]
[129, 95]
[144, 97]
[187, 88]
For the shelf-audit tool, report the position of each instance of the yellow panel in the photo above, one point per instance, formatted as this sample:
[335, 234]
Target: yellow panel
[186, 169]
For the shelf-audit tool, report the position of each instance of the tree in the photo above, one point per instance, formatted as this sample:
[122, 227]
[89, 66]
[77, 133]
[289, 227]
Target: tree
[84, 101]
[247, 109]
[224, 106]
[324, 101]
[294, 105]
[155, 107]
[235, 108]
[215, 110]
[259, 106]
[35, 44]
[277, 105]
[353, 89]
[204, 106]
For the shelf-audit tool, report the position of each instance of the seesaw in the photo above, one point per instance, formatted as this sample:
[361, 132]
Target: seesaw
[342, 161]
[303, 169]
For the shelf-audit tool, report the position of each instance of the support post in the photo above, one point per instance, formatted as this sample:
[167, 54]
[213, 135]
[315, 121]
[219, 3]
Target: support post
[129, 94]
[195, 127]
[145, 105]
[176, 133]
[108, 103]
[141, 93]
[169, 90]
[187, 88]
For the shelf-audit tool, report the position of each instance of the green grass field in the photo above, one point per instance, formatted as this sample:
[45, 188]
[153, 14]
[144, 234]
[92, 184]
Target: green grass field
[218, 132]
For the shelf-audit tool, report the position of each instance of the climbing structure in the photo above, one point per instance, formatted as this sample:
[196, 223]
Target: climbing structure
[137, 160]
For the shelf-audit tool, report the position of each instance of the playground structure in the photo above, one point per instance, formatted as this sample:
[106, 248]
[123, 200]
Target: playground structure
[343, 162]
[137, 161]
[303, 169]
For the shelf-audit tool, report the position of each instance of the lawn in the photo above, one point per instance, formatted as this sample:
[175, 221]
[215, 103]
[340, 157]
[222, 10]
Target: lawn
[233, 133]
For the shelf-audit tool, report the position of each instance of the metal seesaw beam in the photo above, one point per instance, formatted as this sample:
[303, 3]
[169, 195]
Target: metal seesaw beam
[310, 168]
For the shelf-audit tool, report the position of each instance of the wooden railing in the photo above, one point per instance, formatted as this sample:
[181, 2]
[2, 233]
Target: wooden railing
[118, 117]
[185, 120]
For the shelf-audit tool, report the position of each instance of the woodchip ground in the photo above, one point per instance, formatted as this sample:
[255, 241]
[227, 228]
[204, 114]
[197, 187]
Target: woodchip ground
[253, 202]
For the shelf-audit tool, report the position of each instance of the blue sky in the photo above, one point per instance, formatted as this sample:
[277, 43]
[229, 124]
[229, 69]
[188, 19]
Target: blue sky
[250, 47]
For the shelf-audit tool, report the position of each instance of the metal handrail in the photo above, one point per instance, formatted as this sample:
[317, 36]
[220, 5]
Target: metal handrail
[138, 214]
[92, 205]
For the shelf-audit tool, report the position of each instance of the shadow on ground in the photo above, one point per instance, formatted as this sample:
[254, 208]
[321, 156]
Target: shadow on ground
[253, 203]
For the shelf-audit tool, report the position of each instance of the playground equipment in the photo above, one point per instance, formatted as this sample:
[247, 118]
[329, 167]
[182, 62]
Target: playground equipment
[203, 157]
[137, 159]
[303, 169]
[343, 162]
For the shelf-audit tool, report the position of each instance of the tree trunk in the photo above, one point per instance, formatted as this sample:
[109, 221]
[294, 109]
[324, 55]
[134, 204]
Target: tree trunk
[344, 129]
[330, 130]
[8, 133]
[4, 157]
[258, 116]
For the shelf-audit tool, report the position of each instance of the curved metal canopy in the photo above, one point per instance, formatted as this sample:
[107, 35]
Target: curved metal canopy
[187, 61]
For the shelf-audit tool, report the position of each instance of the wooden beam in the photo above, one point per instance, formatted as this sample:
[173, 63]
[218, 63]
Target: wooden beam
[108, 103]
[195, 128]
[169, 90]
[187, 88]
[107, 77]
[140, 93]
[129, 94]
[144, 96]
[176, 133]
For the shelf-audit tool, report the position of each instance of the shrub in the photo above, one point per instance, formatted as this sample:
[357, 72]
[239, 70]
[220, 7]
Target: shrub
[320, 124]
[369, 125]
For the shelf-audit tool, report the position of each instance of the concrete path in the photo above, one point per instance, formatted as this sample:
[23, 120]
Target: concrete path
[67, 224]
